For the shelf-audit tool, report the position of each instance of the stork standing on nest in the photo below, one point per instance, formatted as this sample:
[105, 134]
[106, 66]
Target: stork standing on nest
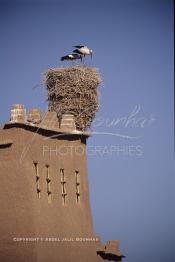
[71, 57]
[83, 50]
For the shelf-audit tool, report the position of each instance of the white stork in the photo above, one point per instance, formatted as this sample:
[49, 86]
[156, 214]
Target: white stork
[71, 57]
[83, 50]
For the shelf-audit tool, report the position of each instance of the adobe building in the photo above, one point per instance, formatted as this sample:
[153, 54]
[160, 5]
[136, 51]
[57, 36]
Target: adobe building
[44, 198]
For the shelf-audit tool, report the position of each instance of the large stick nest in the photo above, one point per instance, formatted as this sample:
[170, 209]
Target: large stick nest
[74, 90]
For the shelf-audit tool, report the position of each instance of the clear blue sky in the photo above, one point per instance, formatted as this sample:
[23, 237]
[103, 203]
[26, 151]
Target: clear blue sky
[132, 192]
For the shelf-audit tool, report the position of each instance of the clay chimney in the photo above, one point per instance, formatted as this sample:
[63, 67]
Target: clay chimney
[18, 113]
[68, 122]
[34, 116]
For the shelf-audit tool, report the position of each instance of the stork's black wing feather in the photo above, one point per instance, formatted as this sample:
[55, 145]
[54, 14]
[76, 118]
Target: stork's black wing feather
[78, 46]
[64, 58]
[71, 56]
[76, 56]
[77, 51]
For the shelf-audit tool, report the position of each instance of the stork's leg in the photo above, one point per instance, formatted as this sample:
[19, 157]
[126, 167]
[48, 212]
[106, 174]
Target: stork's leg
[83, 60]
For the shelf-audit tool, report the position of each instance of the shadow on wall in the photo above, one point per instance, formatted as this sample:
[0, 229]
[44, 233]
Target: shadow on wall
[109, 256]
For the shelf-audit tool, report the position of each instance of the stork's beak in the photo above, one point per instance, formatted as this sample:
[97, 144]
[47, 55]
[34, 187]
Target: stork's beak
[91, 54]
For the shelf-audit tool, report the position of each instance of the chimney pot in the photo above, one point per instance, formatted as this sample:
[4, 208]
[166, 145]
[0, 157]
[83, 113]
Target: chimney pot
[18, 113]
[34, 115]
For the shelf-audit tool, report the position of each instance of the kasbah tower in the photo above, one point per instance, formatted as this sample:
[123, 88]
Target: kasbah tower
[45, 213]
